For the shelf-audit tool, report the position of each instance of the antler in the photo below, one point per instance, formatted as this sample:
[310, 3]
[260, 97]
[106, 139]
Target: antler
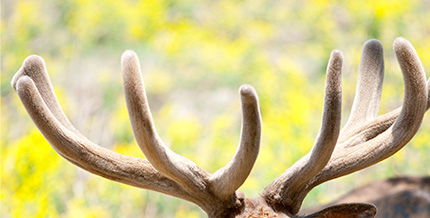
[164, 171]
[366, 139]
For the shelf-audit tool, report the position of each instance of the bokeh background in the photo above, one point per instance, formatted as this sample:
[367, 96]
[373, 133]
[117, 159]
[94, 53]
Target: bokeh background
[194, 54]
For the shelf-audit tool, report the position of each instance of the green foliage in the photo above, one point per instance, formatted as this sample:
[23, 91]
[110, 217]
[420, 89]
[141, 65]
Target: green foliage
[194, 56]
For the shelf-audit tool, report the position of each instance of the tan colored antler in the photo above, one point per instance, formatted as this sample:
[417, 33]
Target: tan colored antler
[225, 181]
[164, 171]
[306, 168]
[366, 139]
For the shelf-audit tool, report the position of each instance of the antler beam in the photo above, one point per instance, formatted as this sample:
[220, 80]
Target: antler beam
[33, 86]
[366, 139]
[292, 181]
[164, 171]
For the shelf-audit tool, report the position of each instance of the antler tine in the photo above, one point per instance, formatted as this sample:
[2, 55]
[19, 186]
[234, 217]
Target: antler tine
[167, 162]
[365, 131]
[35, 91]
[369, 85]
[348, 158]
[372, 128]
[282, 191]
[228, 179]
[35, 68]
[164, 171]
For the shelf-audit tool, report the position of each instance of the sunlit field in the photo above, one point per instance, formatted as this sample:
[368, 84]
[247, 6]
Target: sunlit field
[194, 55]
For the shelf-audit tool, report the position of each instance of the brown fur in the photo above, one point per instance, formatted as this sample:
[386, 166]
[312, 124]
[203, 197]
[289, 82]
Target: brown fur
[396, 197]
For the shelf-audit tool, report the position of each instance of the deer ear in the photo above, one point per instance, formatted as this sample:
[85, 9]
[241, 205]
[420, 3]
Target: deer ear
[350, 210]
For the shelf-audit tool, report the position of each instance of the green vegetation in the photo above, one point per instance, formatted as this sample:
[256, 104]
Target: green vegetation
[194, 56]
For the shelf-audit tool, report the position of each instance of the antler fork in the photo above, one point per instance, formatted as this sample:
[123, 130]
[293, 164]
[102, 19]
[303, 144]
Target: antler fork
[164, 171]
[366, 138]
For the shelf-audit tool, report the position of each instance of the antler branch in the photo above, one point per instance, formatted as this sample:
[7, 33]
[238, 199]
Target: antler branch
[229, 178]
[175, 167]
[306, 168]
[391, 140]
[369, 85]
[33, 86]
[366, 139]
[164, 171]
[226, 180]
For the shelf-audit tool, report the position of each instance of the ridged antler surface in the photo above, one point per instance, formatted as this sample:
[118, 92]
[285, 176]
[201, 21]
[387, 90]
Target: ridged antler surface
[164, 171]
[365, 140]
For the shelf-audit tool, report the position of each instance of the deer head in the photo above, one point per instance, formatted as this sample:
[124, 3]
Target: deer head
[365, 140]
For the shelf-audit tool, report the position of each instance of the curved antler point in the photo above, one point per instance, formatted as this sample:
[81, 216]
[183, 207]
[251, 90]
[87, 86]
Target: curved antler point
[127, 57]
[373, 42]
[335, 62]
[128, 54]
[247, 92]
[400, 44]
[246, 89]
[32, 59]
[31, 62]
[336, 55]
[23, 81]
[373, 45]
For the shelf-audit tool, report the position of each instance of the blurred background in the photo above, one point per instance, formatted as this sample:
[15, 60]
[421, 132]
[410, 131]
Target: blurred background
[194, 55]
